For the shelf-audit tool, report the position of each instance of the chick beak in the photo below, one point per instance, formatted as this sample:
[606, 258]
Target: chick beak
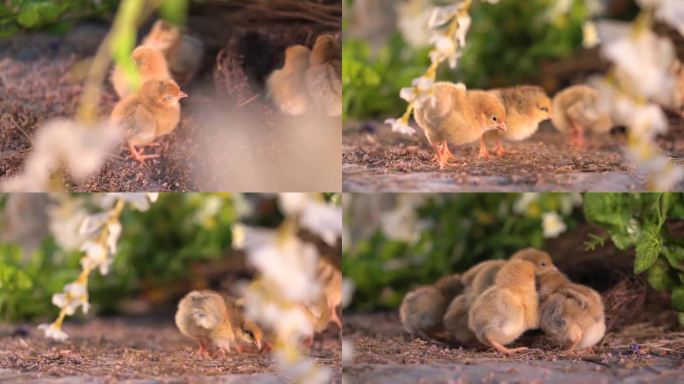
[501, 127]
[182, 95]
[258, 344]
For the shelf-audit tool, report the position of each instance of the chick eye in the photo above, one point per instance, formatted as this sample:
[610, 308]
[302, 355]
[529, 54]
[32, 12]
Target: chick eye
[168, 98]
[544, 109]
[543, 264]
[494, 118]
[250, 334]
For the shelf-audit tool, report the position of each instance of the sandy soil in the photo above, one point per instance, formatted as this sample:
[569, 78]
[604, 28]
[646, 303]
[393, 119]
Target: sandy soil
[150, 350]
[384, 353]
[376, 159]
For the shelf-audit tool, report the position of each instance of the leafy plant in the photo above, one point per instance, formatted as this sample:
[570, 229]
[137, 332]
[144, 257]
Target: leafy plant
[639, 221]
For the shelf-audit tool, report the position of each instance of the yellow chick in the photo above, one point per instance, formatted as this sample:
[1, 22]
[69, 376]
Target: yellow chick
[476, 280]
[458, 116]
[331, 278]
[576, 109]
[183, 52]
[570, 314]
[215, 319]
[151, 113]
[504, 311]
[422, 309]
[526, 107]
[286, 86]
[324, 76]
[151, 65]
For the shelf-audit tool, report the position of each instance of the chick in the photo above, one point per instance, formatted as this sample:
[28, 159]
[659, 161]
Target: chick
[571, 314]
[151, 65]
[504, 311]
[324, 76]
[458, 116]
[331, 278]
[152, 113]
[476, 280]
[286, 86]
[526, 107]
[183, 52]
[676, 100]
[215, 319]
[422, 309]
[576, 108]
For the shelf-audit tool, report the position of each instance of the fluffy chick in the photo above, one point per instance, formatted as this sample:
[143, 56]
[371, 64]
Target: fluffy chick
[151, 113]
[476, 280]
[457, 117]
[324, 76]
[576, 109]
[504, 311]
[183, 52]
[287, 85]
[526, 107]
[676, 100]
[570, 314]
[331, 278]
[215, 319]
[151, 65]
[422, 309]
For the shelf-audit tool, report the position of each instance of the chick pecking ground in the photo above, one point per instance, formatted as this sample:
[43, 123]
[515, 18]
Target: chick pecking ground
[376, 159]
[110, 350]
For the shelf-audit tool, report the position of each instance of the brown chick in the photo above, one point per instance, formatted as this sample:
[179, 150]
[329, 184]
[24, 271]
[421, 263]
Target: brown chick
[324, 76]
[576, 109]
[151, 113]
[526, 107]
[183, 52]
[457, 117]
[422, 309]
[570, 314]
[476, 280]
[331, 278]
[215, 319]
[504, 311]
[151, 65]
[287, 85]
[676, 101]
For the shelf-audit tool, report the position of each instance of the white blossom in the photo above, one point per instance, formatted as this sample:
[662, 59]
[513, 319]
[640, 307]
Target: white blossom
[442, 15]
[314, 214]
[347, 351]
[553, 224]
[347, 292]
[66, 216]
[53, 332]
[96, 256]
[524, 202]
[74, 295]
[140, 201]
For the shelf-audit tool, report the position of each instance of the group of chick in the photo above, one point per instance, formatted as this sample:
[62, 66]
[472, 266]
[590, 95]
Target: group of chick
[218, 323]
[165, 57]
[496, 301]
[309, 78]
[457, 116]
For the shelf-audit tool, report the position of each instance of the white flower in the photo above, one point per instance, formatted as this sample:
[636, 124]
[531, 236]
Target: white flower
[671, 12]
[553, 225]
[398, 125]
[347, 292]
[113, 234]
[400, 224]
[347, 351]
[442, 15]
[445, 49]
[66, 216]
[74, 296]
[412, 19]
[95, 256]
[590, 37]
[140, 201]
[52, 332]
[211, 206]
[462, 30]
[243, 208]
[524, 202]
[408, 94]
[314, 214]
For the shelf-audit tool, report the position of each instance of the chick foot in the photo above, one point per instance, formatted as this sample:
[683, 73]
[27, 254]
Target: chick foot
[140, 157]
[443, 155]
[499, 149]
[484, 153]
[335, 319]
[203, 350]
[577, 139]
[505, 350]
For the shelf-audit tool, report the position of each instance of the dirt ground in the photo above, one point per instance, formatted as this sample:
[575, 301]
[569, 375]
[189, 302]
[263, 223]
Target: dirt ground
[385, 353]
[216, 146]
[146, 350]
[376, 159]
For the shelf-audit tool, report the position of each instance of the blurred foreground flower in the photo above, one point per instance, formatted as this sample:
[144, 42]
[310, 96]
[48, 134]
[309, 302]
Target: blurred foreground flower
[553, 224]
[61, 143]
[97, 236]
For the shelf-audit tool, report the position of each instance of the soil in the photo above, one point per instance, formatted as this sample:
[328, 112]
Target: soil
[385, 353]
[219, 144]
[376, 159]
[149, 350]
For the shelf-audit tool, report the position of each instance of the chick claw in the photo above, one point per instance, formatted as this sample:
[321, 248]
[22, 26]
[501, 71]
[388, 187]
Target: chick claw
[203, 350]
[484, 153]
[505, 350]
[443, 155]
[137, 156]
[499, 149]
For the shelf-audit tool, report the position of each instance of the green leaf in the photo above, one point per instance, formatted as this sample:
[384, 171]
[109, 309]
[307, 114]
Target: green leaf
[678, 299]
[675, 256]
[28, 17]
[648, 248]
[174, 11]
[659, 278]
[680, 317]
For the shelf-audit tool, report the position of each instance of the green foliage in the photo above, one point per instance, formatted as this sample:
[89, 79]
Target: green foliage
[507, 43]
[638, 220]
[462, 229]
[16, 15]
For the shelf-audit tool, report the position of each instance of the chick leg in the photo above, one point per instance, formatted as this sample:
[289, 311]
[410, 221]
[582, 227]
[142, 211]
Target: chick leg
[577, 136]
[484, 153]
[138, 156]
[499, 149]
[333, 317]
[440, 156]
[503, 349]
[202, 349]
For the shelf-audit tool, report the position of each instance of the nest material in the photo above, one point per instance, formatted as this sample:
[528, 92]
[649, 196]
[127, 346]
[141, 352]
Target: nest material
[624, 300]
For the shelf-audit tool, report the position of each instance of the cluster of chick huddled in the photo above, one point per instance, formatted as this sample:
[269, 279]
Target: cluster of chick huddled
[218, 323]
[165, 58]
[456, 116]
[496, 301]
[310, 79]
